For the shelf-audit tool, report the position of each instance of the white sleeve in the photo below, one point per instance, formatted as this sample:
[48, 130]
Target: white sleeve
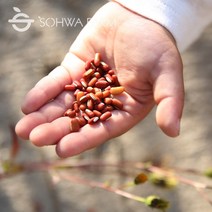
[185, 19]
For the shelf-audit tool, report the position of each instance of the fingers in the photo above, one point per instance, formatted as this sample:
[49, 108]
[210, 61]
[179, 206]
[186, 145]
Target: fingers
[69, 144]
[50, 133]
[169, 96]
[53, 84]
[91, 136]
[47, 113]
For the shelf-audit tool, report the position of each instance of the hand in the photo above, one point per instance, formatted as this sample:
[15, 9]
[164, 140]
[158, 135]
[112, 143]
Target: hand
[148, 66]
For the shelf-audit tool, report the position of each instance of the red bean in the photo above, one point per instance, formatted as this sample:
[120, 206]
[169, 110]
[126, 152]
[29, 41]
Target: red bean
[101, 84]
[88, 73]
[97, 113]
[74, 125]
[105, 116]
[79, 95]
[93, 120]
[94, 94]
[105, 66]
[97, 59]
[117, 90]
[83, 99]
[70, 113]
[100, 106]
[88, 64]
[82, 107]
[92, 82]
[108, 101]
[117, 103]
[71, 87]
[89, 113]
[77, 84]
[84, 83]
[106, 93]
[90, 104]
[109, 78]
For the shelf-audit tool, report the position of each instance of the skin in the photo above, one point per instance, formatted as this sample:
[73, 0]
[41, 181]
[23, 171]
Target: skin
[147, 64]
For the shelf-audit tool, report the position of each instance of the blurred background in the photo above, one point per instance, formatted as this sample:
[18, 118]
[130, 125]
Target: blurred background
[27, 57]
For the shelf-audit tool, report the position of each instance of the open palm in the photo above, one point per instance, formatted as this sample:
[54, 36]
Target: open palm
[147, 64]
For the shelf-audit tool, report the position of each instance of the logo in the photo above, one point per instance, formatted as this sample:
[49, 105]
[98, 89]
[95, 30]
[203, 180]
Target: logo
[21, 21]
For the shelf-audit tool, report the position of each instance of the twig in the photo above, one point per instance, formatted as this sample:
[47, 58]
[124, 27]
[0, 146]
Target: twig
[102, 186]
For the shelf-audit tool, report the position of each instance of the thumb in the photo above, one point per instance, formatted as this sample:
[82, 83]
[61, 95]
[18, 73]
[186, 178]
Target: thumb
[169, 97]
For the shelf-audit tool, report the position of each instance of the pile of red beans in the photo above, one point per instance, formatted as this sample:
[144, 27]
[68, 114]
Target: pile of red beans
[94, 94]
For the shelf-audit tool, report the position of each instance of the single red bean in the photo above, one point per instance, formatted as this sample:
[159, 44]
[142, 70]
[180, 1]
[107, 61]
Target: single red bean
[101, 84]
[117, 90]
[74, 125]
[90, 104]
[76, 91]
[90, 90]
[105, 66]
[115, 80]
[101, 79]
[88, 73]
[93, 120]
[71, 87]
[100, 106]
[108, 101]
[97, 113]
[84, 83]
[77, 84]
[92, 82]
[82, 107]
[105, 116]
[88, 64]
[117, 103]
[86, 117]
[89, 113]
[97, 59]
[83, 99]
[106, 93]
[109, 78]
[111, 72]
[97, 75]
[79, 95]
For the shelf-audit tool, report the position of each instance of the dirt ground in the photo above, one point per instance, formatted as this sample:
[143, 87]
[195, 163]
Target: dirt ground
[28, 56]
